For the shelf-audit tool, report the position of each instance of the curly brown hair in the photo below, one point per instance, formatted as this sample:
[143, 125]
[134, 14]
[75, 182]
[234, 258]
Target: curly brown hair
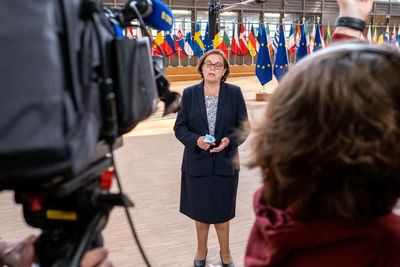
[330, 143]
[224, 59]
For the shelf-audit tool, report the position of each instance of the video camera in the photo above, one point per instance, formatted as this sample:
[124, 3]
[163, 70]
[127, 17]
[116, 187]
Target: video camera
[72, 85]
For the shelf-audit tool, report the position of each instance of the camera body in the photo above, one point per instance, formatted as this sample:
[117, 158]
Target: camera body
[83, 86]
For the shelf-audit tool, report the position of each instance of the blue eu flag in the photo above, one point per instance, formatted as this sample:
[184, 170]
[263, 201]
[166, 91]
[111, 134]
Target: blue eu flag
[263, 64]
[281, 65]
[318, 42]
[302, 50]
[208, 44]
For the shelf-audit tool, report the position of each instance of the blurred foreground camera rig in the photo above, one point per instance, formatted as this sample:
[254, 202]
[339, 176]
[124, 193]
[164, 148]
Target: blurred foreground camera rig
[84, 84]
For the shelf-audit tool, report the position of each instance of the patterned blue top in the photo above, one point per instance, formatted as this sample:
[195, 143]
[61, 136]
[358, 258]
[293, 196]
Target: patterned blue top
[211, 108]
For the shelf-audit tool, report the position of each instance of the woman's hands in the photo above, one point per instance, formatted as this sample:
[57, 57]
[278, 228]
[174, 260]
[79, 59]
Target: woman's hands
[358, 9]
[205, 146]
[224, 143]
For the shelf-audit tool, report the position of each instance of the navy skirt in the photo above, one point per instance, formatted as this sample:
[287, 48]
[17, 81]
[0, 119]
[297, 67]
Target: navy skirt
[209, 199]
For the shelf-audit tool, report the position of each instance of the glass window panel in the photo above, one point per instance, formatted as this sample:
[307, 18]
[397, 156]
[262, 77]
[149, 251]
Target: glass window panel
[182, 20]
[228, 19]
[202, 17]
[251, 19]
[273, 21]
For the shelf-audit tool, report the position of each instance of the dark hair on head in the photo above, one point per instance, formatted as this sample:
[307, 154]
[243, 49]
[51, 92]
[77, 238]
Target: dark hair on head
[224, 59]
[330, 143]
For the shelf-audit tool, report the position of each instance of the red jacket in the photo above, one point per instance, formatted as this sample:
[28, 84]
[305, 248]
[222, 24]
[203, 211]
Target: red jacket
[278, 239]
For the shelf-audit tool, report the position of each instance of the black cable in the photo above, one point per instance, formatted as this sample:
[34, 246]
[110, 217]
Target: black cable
[152, 42]
[143, 27]
[127, 211]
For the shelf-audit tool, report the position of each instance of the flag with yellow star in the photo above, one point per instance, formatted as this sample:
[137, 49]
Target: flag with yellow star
[281, 64]
[302, 50]
[263, 64]
[208, 43]
[318, 42]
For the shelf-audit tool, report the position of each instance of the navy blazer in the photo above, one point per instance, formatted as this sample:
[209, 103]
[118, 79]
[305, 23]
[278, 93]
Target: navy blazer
[191, 123]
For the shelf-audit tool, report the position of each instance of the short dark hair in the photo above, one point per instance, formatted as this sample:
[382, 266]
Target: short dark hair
[330, 142]
[224, 59]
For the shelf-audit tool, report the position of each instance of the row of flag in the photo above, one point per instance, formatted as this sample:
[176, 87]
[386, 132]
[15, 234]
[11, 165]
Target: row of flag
[237, 44]
[304, 43]
[298, 45]
[383, 36]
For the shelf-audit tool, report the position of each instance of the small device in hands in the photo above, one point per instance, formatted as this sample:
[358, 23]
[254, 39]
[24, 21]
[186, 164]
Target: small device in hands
[209, 139]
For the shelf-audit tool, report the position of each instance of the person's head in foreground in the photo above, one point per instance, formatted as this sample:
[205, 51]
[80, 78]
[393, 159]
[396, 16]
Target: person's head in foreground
[329, 153]
[330, 144]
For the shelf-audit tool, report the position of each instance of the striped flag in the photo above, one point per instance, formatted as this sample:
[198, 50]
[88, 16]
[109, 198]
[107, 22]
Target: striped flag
[322, 35]
[380, 37]
[252, 43]
[328, 35]
[269, 41]
[226, 42]
[218, 44]
[258, 38]
[298, 35]
[291, 43]
[386, 38]
[308, 40]
[129, 32]
[169, 45]
[217, 39]
[235, 42]
[276, 39]
[375, 37]
[189, 45]
[394, 39]
[160, 41]
[138, 33]
[312, 38]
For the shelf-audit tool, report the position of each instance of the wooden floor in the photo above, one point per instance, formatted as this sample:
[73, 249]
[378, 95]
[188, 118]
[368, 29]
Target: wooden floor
[149, 165]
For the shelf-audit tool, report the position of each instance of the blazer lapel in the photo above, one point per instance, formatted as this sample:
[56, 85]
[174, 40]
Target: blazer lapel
[223, 91]
[202, 103]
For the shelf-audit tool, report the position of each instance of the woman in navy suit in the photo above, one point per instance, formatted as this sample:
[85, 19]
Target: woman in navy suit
[209, 173]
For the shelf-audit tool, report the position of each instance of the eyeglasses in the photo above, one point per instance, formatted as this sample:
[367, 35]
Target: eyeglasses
[217, 65]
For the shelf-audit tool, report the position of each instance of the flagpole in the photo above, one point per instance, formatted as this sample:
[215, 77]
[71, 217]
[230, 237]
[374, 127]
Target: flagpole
[179, 57]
